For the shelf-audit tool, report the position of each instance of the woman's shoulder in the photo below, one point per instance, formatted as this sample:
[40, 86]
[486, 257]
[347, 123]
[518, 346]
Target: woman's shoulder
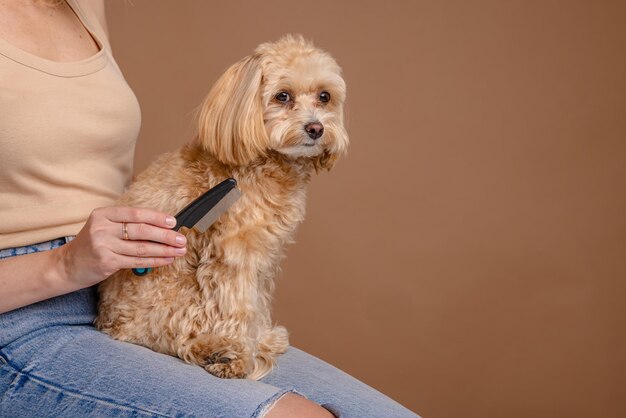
[97, 6]
[93, 15]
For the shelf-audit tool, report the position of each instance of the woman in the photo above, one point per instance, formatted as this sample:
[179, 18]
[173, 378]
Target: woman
[67, 134]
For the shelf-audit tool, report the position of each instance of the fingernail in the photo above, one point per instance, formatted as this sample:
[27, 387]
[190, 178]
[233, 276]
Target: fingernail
[180, 239]
[170, 221]
[180, 251]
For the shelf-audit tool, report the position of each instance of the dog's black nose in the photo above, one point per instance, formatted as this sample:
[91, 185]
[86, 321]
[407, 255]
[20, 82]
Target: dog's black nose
[314, 129]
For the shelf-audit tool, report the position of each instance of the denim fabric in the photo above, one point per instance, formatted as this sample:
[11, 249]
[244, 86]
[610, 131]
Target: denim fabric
[54, 363]
[35, 248]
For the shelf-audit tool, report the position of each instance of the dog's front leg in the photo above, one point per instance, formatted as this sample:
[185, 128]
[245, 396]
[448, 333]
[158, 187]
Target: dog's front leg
[223, 339]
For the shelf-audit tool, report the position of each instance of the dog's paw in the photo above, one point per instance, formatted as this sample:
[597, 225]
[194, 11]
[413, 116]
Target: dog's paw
[224, 366]
[222, 357]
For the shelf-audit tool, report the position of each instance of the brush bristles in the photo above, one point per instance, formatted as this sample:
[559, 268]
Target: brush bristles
[218, 210]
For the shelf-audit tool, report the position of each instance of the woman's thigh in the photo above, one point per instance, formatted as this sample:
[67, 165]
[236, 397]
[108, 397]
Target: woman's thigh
[69, 371]
[76, 371]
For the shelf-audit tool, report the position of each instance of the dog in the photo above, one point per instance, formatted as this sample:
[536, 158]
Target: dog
[271, 121]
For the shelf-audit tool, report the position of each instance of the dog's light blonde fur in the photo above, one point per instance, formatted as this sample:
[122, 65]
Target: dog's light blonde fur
[212, 306]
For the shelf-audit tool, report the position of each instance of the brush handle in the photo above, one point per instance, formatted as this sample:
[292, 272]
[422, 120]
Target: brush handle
[194, 211]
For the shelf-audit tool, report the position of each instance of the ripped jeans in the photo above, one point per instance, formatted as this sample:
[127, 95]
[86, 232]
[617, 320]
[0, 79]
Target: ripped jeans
[54, 363]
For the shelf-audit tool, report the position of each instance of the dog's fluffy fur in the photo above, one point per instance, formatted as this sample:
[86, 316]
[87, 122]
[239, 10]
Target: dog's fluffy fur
[212, 306]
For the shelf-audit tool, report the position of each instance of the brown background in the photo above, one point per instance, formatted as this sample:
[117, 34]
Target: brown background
[468, 258]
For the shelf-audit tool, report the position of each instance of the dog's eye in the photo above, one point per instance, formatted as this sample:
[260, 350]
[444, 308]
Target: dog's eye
[324, 97]
[283, 97]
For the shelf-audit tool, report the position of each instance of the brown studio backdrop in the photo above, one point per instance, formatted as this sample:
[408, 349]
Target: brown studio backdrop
[468, 258]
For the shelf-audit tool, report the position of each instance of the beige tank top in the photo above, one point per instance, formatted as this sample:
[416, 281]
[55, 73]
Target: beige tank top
[67, 139]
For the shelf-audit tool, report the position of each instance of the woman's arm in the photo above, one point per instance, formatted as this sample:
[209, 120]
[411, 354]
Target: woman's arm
[98, 251]
[31, 278]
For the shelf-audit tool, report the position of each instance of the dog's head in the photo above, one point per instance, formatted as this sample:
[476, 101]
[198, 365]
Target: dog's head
[287, 97]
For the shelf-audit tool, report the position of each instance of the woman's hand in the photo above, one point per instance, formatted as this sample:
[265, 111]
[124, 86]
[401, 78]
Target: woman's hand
[101, 247]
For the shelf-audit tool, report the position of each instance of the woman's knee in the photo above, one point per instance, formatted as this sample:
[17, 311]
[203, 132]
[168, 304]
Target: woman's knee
[292, 405]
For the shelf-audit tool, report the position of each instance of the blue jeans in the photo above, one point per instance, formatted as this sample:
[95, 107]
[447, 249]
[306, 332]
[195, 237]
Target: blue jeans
[54, 363]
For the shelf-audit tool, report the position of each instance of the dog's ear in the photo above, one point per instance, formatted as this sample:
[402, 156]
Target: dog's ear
[231, 118]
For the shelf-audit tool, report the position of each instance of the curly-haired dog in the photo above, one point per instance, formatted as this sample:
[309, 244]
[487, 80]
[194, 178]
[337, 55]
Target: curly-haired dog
[270, 121]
